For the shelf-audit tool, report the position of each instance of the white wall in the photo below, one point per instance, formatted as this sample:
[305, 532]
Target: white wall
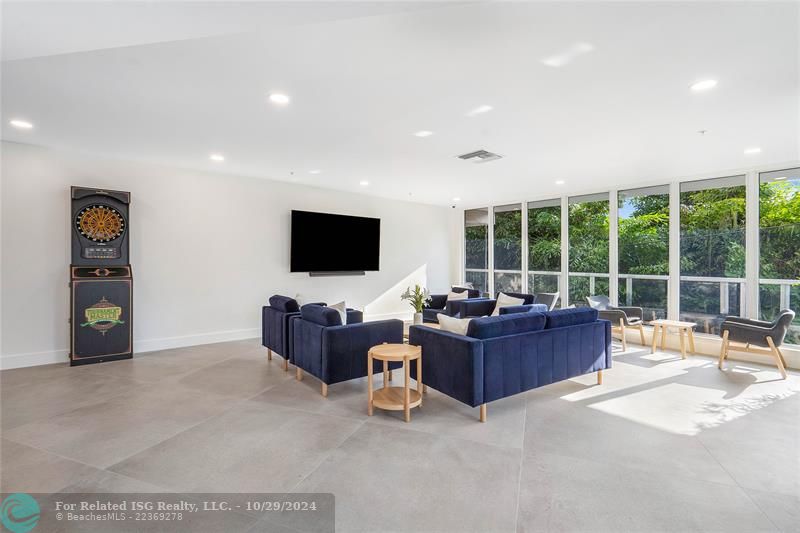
[207, 251]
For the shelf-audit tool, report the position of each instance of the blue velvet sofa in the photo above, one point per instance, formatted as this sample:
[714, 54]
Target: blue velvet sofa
[333, 352]
[439, 304]
[509, 354]
[277, 322]
[485, 306]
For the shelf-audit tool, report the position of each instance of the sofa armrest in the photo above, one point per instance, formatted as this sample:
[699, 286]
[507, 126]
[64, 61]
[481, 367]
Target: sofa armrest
[477, 307]
[354, 316]
[451, 364]
[345, 348]
[512, 309]
[438, 301]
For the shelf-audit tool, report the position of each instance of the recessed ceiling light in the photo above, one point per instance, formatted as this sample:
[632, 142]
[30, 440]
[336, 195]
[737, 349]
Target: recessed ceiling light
[21, 124]
[703, 85]
[560, 182]
[456, 199]
[279, 98]
[782, 178]
[315, 171]
[753, 150]
[424, 133]
[363, 183]
[217, 157]
[480, 110]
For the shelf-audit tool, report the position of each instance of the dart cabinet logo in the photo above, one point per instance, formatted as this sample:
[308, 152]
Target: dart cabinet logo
[102, 316]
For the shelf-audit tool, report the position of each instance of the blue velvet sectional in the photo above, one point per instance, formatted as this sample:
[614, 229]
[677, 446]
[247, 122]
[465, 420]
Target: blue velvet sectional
[476, 307]
[333, 352]
[440, 304]
[512, 353]
[277, 324]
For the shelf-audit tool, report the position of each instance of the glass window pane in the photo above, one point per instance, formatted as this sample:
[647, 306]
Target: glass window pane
[508, 237]
[588, 246]
[476, 236]
[542, 283]
[508, 282]
[544, 236]
[478, 279]
[779, 239]
[644, 249]
[712, 222]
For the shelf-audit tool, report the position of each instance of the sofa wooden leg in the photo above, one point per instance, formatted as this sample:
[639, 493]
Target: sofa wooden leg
[424, 389]
[298, 374]
[325, 389]
[390, 375]
[724, 349]
[285, 365]
[483, 412]
[777, 355]
[269, 354]
[599, 377]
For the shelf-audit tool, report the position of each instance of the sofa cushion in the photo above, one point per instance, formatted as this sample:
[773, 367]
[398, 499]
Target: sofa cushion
[504, 300]
[284, 304]
[453, 325]
[341, 308]
[489, 327]
[454, 296]
[561, 318]
[324, 316]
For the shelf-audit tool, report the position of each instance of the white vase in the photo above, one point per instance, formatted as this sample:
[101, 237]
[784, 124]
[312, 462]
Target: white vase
[417, 319]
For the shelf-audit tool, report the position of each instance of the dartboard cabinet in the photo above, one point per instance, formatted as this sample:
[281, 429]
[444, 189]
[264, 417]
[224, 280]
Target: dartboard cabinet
[101, 284]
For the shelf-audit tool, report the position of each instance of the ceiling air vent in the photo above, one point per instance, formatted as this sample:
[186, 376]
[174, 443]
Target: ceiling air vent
[480, 156]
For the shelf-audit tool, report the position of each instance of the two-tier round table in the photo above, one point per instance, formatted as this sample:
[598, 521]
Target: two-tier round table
[395, 398]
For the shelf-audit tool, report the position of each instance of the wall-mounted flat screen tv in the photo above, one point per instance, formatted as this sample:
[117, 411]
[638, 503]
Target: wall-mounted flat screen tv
[324, 242]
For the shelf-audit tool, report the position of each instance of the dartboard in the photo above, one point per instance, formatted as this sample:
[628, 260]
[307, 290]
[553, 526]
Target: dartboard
[100, 223]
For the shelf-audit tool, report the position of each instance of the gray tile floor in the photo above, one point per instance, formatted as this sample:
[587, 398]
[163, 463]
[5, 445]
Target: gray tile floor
[663, 445]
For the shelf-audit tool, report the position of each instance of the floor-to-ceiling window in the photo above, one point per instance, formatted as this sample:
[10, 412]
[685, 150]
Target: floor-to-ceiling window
[544, 246]
[508, 248]
[588, 247]
[644, 249]
[476, 248]
[712, 222]
[779, 240]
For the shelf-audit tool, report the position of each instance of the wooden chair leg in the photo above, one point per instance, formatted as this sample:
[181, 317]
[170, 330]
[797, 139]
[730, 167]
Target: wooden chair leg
[298, 374]
[483, 412]
[777, 355]
[723, 352]
[641, 335]
[325, 389]
[390, 375]
[663, 337]
[269, 354]
[599, 377]
[655, 339]
[622, 330]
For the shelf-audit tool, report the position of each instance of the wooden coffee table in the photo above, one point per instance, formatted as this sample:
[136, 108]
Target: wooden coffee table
[395, 398]
[684, 329]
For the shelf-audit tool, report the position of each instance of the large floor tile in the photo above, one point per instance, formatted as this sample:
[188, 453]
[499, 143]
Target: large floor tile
[26, 396]
[253, 448]
[238, 376]
[103, 481]
[559, 493]
[391, 479]
[26, 469]
[782, 509]
[560, 426]
[105, 433]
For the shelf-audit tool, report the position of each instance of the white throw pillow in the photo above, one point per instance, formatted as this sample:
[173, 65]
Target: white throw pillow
[342, 308]
[453, 325]
[457, 296]
[504, 300]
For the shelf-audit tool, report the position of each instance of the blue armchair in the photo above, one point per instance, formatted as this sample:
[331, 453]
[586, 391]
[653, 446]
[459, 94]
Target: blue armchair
[439, 304]
[277, 323]
[333, 352]
[506, 355]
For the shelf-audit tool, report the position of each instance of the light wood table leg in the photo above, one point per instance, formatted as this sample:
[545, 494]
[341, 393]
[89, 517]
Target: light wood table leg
[385, 374]
[407, 390]
[690, 331]
[655, 339]
[663, 337]
[683, 342]
[420, 386]
[369, 383]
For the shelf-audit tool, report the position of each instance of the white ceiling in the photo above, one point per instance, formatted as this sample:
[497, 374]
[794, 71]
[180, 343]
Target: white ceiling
[173, 82]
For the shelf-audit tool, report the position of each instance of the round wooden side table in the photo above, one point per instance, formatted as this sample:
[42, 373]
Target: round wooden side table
[395, 398]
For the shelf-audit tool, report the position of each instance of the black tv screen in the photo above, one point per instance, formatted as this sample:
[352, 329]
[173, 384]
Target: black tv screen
[323, 242]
